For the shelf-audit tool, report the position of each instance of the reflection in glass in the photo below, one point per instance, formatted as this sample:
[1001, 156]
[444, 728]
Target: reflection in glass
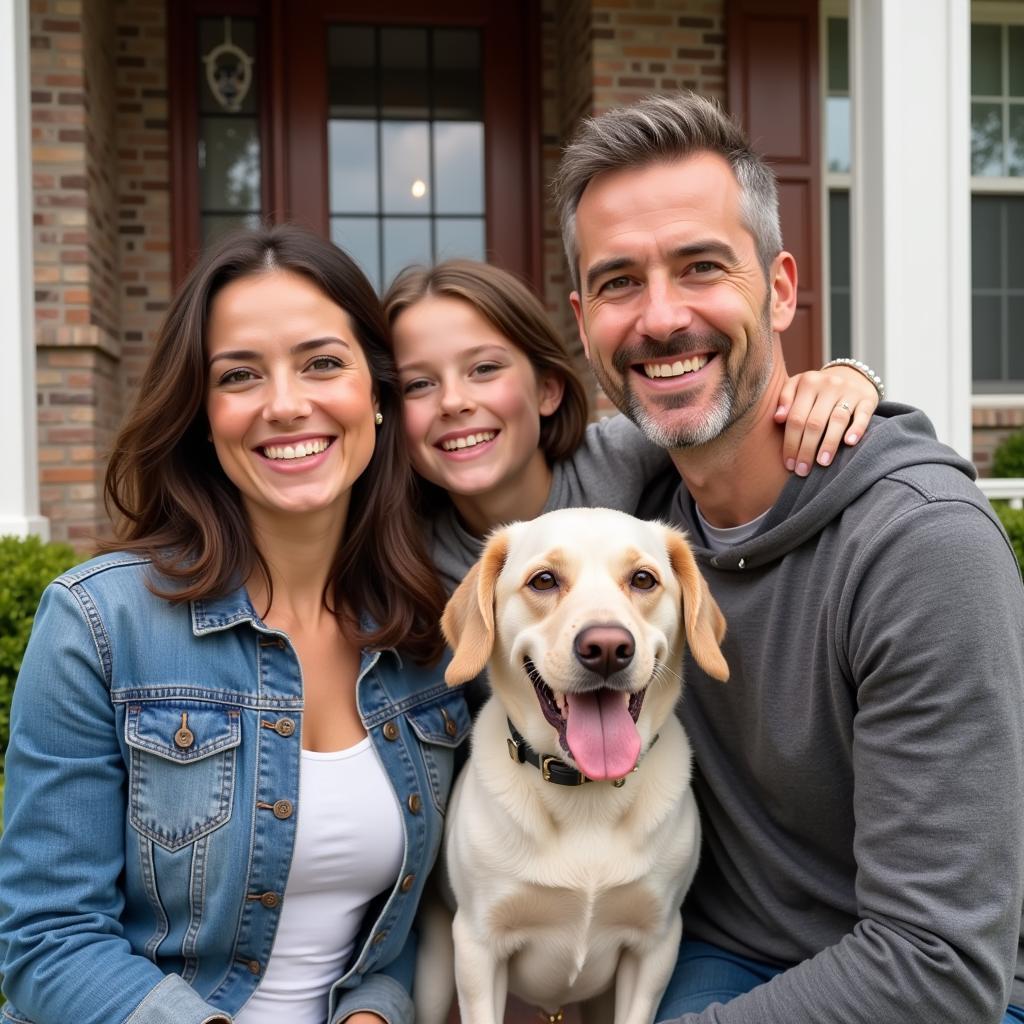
[360, 238]
[459, 166]
[1016, 59]
[986, 231]
[404, 84]
[986, 60]
[351, 71]
[212, 33]
[986, 335]
[1015, 142]
[838, 55]
[458, 94]
[406, 240]
[460, 237]
[986, 139]
[405, 156]
[837, 126]
[216, 225]
[352, 159]
[229, 163]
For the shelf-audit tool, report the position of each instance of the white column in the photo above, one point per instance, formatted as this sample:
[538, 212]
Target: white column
[910, 204]
[19, 476]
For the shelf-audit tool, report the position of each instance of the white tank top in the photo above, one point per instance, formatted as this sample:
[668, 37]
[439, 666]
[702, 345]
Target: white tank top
[348, 847]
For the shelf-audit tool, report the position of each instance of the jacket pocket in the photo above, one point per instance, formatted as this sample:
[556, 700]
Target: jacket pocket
[182, 769]
[440, 725]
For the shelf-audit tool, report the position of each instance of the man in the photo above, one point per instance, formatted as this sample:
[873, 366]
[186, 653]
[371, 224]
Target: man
[861, 774]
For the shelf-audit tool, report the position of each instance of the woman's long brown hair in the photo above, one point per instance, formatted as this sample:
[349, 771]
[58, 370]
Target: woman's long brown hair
[174, 503]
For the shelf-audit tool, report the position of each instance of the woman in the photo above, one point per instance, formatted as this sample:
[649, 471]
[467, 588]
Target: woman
[230, 727]
[496, 417]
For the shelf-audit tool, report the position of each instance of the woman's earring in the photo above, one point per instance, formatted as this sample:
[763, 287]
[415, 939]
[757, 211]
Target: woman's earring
[378, 418]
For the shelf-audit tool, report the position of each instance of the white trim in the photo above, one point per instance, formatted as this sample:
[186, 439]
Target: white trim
[1006, 488]
[19, 470]
[983, 401]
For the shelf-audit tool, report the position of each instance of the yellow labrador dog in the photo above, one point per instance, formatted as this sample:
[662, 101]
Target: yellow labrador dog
[572, 833]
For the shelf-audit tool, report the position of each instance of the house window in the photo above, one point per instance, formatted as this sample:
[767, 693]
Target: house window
[997, 198]
[405, 145]
[838, 134]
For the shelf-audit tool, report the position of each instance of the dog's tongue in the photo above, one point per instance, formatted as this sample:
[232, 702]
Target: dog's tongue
[601, 734]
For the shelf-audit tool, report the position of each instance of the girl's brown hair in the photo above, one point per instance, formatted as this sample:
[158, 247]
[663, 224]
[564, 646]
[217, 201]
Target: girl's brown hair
[509, 306]
[177, 506]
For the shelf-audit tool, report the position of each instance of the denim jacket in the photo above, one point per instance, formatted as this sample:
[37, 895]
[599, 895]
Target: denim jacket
[151, 803]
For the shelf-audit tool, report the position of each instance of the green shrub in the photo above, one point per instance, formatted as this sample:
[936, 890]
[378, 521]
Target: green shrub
[1013, 523]
[27, 564]
[1008, 458]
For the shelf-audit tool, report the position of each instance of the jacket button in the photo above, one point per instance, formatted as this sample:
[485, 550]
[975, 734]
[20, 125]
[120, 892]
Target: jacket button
[407, 883]
[415, 803]
[449, 726]
[283, 809]
[284, 727]
[390, 731]
[379, 938]
[254, 966]
[270, 900]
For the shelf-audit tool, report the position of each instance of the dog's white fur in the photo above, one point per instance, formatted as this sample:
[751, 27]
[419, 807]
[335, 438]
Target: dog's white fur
[567, 894]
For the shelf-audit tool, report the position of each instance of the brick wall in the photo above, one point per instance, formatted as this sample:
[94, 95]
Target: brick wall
[991, 427]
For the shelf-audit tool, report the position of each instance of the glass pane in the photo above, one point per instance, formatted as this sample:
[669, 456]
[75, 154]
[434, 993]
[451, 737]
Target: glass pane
[986, 139]
[840, 346]
[837, 130]
[986, 247]
[229, 163]
[460, 236]
[986, 337]
[405, 154]
[352, 159]
[839, 238]
[1013, 214]
[1015, 340]
[351, 71]
[1015, 142]
[458, 93]
[1016, 60]
[986, 60]
[405, 88]
[234, 79]
[406, 240]
[838, 55]
[360, 238]
[217, 225]
[459, 167]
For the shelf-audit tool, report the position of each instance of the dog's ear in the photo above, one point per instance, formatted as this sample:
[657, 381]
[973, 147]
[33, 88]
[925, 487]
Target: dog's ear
[705, 623]
[468, 620]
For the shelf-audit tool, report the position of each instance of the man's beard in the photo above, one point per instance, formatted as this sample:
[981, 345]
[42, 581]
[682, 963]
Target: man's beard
[729, 402]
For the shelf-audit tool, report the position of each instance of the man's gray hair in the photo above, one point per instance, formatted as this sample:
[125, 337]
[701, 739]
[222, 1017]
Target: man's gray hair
[662, 128]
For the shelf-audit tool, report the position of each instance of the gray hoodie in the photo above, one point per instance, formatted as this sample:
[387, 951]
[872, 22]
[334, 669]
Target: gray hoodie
[861, 775]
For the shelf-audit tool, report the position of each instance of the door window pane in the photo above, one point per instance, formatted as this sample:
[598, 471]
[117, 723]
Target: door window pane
[406, 240]
[459, 166]
[986, 332]
[986, 60]
[353, 169]
[839, 274]
[986, 139]
[1015, 63]
[460, 237]
[406, 144]
[229, 163]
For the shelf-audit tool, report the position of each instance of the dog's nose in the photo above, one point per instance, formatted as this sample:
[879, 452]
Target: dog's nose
[604, 649]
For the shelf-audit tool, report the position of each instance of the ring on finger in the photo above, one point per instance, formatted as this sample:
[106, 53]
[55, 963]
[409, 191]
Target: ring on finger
[845, 406]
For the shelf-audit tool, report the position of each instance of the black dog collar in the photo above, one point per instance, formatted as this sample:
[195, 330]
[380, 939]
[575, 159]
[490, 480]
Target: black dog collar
[552, 769]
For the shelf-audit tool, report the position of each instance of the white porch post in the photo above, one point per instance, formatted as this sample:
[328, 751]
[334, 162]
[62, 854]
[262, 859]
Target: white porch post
[910, 204]
[19, 477]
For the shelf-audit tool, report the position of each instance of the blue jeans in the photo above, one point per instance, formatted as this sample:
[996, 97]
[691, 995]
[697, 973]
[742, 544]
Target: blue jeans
[707, 974]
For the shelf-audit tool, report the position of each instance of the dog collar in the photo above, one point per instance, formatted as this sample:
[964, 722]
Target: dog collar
[552, 769]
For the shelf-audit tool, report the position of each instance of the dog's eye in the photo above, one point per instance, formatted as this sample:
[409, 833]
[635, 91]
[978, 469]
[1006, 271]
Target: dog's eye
[643, 580]
[543, 581]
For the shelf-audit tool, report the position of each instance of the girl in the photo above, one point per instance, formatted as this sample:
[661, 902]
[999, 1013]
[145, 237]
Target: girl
[496, 417]
[230, 729]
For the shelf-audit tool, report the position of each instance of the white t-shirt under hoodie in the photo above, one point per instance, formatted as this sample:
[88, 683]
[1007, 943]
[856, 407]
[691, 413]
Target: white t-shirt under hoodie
[348, 848]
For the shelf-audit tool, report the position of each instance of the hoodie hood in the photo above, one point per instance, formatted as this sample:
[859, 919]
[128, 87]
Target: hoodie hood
[899, 440]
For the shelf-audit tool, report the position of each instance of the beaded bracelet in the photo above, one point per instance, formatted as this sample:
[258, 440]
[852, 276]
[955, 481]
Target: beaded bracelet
[863, 368]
